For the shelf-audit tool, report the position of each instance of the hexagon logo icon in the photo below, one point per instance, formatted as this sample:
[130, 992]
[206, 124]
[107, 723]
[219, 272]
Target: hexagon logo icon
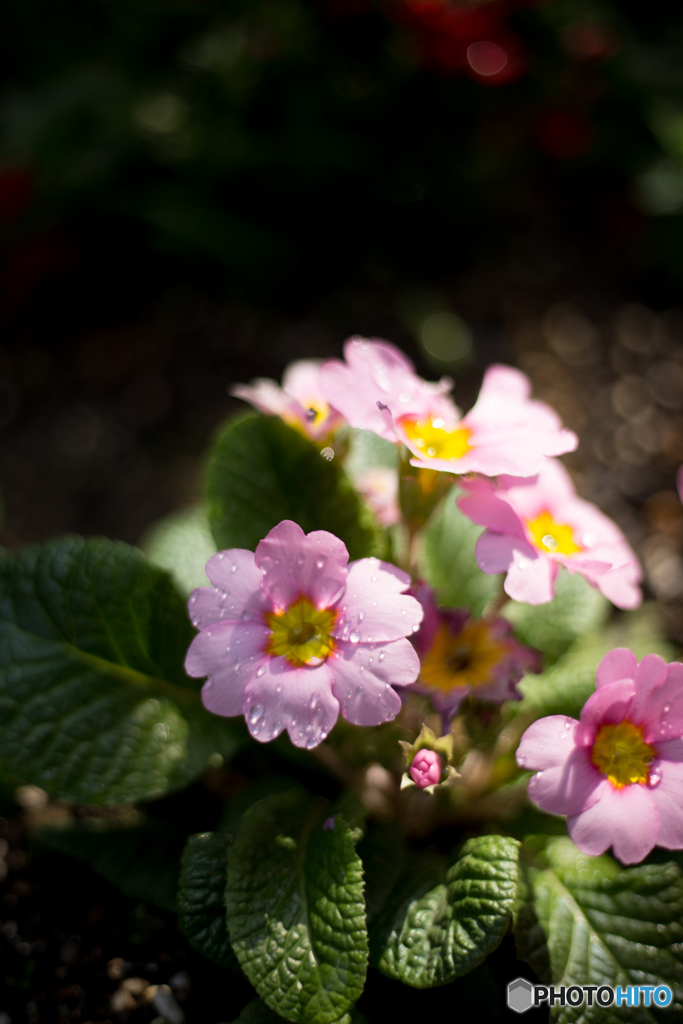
[520, 995]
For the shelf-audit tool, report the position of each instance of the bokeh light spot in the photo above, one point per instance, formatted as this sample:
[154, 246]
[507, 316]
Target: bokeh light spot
[486, 58]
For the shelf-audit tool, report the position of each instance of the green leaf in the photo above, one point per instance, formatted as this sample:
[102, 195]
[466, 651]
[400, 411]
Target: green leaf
[383, 854]
[577, 609]
[144, 861]
[564, 688]
[257, 1012]
[295, 906]
[201, 897]
[435, 930]
[94, 702]
[587, 921]
[448, 563]
[263, 471]
[182, 544]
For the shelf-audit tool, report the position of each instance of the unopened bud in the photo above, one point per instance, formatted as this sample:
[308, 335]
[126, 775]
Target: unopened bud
[425, 769]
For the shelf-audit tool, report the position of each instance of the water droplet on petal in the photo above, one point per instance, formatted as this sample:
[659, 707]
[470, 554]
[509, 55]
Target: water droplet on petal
[416, 626]
[666, 709]
[320, 561]
[354, 636]
[327, 454]
[301, 559]
[361, 616]
[278, 688]
[193, 599]
[373, 579]
[523, 563]
[260, 670]
[654, 779]
[380, 657]
[228, 648]
[209, 633]
[221, 556]
[314, 701]
[277, 727]
[311, 742]
[233, 568]
[255, 713]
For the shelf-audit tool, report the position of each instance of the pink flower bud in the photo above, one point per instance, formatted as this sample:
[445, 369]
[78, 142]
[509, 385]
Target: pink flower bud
[426, 768]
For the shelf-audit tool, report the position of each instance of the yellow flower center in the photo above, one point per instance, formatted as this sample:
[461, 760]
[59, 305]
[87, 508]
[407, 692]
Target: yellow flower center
[548, 535]
[621, 753]
[433, 440]
[467, 659]
[301, 633]
[317, 410]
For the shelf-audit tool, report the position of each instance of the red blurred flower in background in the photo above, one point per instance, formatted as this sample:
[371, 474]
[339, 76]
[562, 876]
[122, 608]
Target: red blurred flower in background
[473, 39]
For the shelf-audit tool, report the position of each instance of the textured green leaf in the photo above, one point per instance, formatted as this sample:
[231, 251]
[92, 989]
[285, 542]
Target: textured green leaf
[201, 897]
[448, 563]
[94, 702]
[144, 862]
[257, 1012]
[587, 921]
[564, 688]
[577, 609]
[262, 471]
[182, 544]
[446, 927]
[295, 906]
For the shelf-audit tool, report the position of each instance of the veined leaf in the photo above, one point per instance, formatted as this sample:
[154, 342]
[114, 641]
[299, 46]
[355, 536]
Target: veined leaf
[587, 921]
[94, 702]
[434, 930]
[263, 471]
[201, 897]
[295, 907]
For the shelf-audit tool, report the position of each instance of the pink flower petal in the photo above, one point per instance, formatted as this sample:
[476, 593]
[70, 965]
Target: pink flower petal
[668, 797]
[280, 696]
[495, 552]
[609, 705]
[618, 664]
[547, 743]
[568, 788]
[670, 750]
[229, 653]
[296, 564]
[484, 506]
[227, 645]
[364, 675]
[658, 704]
[530, 579]
[374, 607]
[626, 819]
[236, 593]
[620, 587]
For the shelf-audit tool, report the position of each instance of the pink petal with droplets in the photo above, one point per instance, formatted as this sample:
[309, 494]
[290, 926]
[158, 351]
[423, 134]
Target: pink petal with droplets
[568, 788]
[658, 703]
[547, 743]
[226, 645]
[626, 819]
[364, 675]
[609, 705]
[236, 592]
[374, 607]
[294, 563]
[281, 696]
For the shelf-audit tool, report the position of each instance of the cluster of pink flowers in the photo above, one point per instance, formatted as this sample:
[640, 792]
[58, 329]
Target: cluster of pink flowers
[617, 773]
[503, 449]
[291, 635]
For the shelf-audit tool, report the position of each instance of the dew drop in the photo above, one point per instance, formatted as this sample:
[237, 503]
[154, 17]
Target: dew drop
[655, 779]
[666, 709]
[209, 633]
[228, 648]
[311, 742]
[260, 671]
[193, 599]
[277, 727]
[359, 690]
[416, 626]
[278, 688]
[301, 559]
[320, 561]
[233, 568]
[327, 454]
[221, 556]
[314, 701]
[255, 713]
[361, 616]
[405, 396]
[237, 640]
[523, 563]
[354, 636]
[380, 656]
[373, 579]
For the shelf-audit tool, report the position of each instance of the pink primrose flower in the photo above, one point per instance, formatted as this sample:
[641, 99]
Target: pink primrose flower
[425, 769]
[291, 635]
[462, 655]
[377, 384]
[505, 432]
[299, 402]
[617, 773]
[534, 526]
